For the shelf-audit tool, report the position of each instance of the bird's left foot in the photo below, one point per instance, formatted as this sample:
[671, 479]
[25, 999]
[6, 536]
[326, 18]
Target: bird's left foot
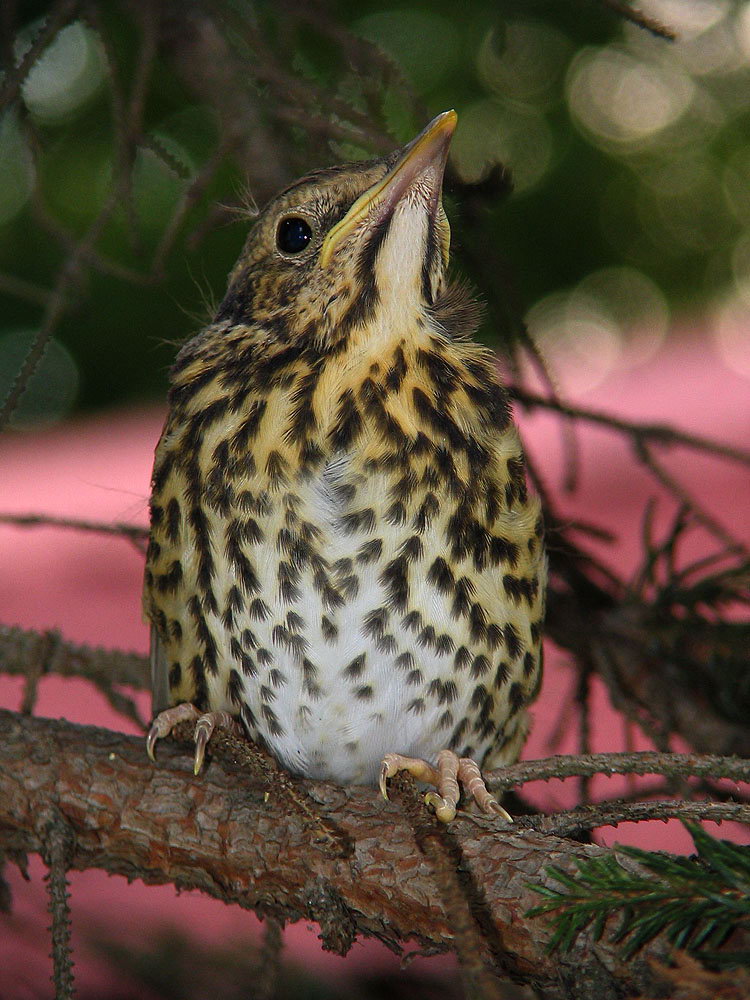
[206, 724]
[451, 773]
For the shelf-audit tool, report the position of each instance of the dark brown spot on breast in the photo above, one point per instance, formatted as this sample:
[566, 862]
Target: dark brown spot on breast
[370, 551]
[355, 668]
[329, 629]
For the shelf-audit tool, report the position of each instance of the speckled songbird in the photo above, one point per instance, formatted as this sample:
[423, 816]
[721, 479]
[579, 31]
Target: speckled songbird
[344, 556]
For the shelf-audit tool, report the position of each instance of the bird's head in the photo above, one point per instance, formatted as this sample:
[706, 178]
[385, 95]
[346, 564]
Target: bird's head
[362, 246]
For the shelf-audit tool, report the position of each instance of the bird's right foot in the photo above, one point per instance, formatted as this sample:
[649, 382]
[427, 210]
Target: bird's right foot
[206, 724]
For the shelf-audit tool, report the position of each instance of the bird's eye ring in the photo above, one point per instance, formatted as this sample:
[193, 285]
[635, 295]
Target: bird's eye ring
[293, 235]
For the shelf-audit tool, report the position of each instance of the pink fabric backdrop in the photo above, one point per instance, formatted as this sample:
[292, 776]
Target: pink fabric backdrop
[89, 587]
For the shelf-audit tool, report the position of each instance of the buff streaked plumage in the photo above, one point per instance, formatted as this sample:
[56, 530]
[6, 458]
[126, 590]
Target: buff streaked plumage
[344, 554]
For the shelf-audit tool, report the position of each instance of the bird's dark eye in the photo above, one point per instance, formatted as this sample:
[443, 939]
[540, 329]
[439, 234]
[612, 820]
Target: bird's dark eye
[293, 234]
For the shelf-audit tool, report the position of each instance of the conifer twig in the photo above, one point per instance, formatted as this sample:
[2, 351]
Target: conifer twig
[696, 904]
[57, 839]
[663, 434]
[641, 762]
[136, 533]
[636, 16]
[616, 811]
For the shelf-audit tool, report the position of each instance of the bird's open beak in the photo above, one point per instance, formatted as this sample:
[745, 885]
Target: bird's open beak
[423, 161]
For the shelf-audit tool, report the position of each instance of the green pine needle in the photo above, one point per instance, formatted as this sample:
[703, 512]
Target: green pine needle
[695, 902]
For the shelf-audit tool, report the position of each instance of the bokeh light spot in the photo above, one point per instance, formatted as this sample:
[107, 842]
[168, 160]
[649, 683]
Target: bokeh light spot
[489, 133]
[731, 333]
[742, 29]
[622, 100]
[683, 209]
[67, 74]
[615, 317]
[579, 340]
[715, 51]
[424, 44]
[634, 304]
[524, 62]
[688, 18]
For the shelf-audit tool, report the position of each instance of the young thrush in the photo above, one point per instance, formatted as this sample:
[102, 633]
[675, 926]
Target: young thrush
[344, 556]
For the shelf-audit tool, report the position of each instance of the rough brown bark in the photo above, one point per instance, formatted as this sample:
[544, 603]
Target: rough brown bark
[223, 834]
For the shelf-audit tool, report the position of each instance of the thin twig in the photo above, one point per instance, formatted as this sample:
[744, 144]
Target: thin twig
[645, 21]
[124, 137]
[68, 274]
[266, 981]
[58, 851]
[583, 701]
[27, 653]
[43, 663]
[123, 528]
[135, 533]
[303, 95]
[443, 853]
[89, 254]
[700, 789]
[712, 766]
[614, 812]
[56, 306]
[376, 71]
[656, 728]
[190, 197]
[656, 433]
[699, 512]
[22, 289]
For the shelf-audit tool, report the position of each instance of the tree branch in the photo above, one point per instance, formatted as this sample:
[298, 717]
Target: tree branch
[616, 811]
[639, 762]
[57, 844]
[135, 533]
[234, 837]
[643, 20]
[663, 434]
[34, 655]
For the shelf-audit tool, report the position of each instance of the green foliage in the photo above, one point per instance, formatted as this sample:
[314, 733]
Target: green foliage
[628, 154]
[694, 902]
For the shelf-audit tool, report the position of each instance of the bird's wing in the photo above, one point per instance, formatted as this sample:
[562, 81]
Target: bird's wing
[159, 674]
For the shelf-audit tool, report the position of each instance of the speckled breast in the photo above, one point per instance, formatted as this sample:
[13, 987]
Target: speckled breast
[353, 613]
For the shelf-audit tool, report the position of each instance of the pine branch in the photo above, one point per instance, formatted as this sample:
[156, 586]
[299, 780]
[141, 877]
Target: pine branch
[615, 811]
[636, 16]
[696, 903]
[662, 434]
[135, 533]
[231, 834]
[33, 655]
[640, 762]
[267, 976]
[57, 850]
